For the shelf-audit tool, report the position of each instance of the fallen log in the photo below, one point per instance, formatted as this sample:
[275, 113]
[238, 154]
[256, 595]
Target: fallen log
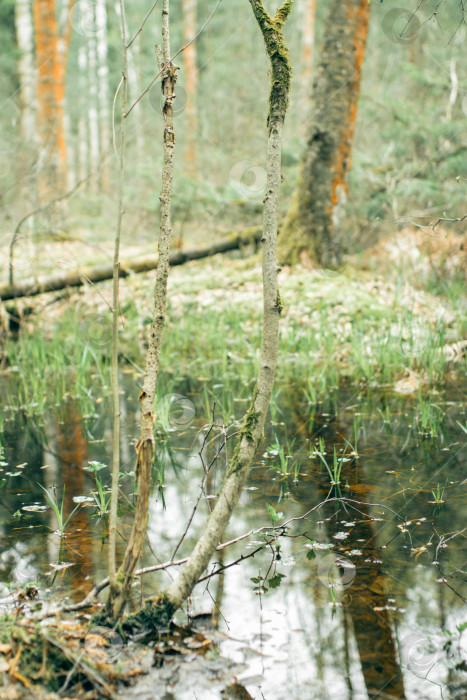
[99, 273]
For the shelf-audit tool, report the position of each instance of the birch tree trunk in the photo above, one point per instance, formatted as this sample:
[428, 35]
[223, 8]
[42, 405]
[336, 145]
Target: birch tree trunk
[26, 73]
[103, 86]
[158, 610]
[83, 133]
[313, 222]
[191, 85]
[93, 113]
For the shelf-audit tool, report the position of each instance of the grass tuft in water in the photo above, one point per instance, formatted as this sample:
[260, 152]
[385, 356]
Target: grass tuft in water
[59, 508]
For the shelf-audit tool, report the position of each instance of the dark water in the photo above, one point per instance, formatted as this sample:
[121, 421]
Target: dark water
[366, 598]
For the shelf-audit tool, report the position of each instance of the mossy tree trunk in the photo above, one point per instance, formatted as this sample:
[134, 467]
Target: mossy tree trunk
[313, 222]
[158, 610]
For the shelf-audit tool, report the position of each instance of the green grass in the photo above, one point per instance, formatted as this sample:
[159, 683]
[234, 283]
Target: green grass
[429, 418]
[333, 330]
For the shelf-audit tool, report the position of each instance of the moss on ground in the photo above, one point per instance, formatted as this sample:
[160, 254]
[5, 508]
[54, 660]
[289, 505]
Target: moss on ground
[154, 616]
[34, 653]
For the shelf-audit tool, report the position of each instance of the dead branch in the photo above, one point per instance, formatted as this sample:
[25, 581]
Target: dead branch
[77, 278]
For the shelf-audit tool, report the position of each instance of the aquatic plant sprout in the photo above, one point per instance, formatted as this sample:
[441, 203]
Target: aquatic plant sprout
[59, 509]
[335, 469]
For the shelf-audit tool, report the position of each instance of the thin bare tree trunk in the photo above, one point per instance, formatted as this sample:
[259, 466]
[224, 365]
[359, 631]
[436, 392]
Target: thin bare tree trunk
[134, 55]
[134, 89]
[116, 319]
[145, 446]
[162, 607]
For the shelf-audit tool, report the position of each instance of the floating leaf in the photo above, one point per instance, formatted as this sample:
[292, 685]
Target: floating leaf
[83, 499]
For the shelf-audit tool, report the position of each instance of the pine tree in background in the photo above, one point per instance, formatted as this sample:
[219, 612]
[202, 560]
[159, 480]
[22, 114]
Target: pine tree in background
[50, 77]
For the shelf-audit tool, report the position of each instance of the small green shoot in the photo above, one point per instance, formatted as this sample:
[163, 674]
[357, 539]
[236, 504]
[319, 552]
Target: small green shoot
[335, 470]
[102, 501]
[278, 450]
[438, 495]
[58, 509]
[259, 588]
[275, 517]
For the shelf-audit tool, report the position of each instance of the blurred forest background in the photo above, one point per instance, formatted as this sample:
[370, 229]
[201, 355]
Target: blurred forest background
[410, 145]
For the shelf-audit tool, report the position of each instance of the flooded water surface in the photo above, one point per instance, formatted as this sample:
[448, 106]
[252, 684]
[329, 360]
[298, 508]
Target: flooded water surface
[361, 594]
